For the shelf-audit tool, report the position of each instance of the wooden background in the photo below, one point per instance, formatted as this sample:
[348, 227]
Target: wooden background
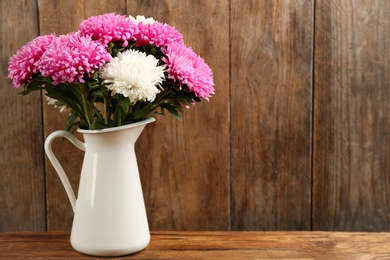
[296, 137]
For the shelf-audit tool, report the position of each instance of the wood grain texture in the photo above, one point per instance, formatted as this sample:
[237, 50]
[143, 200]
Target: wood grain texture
[22, 190]
[243, 160]
[62, 17]
[271, 49]
[184, 165]
[214, 245]
[351, 120]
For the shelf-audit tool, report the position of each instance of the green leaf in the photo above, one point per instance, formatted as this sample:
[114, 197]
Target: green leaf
[99, 94]
[172, 110]
[118, 116]
[97, 124]
[70, 122]
[142, 113]
[125, 104]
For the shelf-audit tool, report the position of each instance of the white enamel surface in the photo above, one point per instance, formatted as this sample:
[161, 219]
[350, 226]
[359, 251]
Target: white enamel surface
[57, 166]
[110, 217]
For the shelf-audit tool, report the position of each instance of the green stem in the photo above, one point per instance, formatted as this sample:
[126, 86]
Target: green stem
[106, 112]
[85, 105]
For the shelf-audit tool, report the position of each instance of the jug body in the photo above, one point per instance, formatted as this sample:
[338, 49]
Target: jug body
[109, 212]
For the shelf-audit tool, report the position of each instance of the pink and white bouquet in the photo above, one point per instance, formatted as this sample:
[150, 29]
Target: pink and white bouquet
[114, 70]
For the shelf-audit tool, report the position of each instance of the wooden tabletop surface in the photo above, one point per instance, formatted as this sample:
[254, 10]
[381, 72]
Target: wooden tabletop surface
[213, 245]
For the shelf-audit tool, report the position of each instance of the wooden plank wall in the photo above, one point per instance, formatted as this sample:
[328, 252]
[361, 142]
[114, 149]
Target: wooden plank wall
[22, 187]
[351, 116]
[295, 139]
[271, 88]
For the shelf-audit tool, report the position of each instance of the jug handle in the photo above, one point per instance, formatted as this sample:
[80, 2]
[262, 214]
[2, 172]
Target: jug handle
[57, 166]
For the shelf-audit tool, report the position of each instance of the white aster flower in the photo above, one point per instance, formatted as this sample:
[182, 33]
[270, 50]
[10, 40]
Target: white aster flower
[141, 18]
[52, 101]
[134, 75]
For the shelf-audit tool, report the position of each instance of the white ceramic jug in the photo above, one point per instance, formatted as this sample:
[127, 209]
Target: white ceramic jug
[109, 213]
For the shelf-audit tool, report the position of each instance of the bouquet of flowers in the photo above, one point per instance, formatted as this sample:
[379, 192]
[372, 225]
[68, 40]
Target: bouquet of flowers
[114, 70]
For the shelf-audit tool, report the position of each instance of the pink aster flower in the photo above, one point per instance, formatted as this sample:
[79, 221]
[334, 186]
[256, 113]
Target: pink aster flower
[187, 68]
[23, 64]
[72, 56]
[154, 33]
[109, 28]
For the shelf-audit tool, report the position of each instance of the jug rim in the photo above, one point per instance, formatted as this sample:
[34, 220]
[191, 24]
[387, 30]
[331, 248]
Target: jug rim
[117, 128]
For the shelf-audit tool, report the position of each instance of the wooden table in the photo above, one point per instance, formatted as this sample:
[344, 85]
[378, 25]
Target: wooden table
[213, 245]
